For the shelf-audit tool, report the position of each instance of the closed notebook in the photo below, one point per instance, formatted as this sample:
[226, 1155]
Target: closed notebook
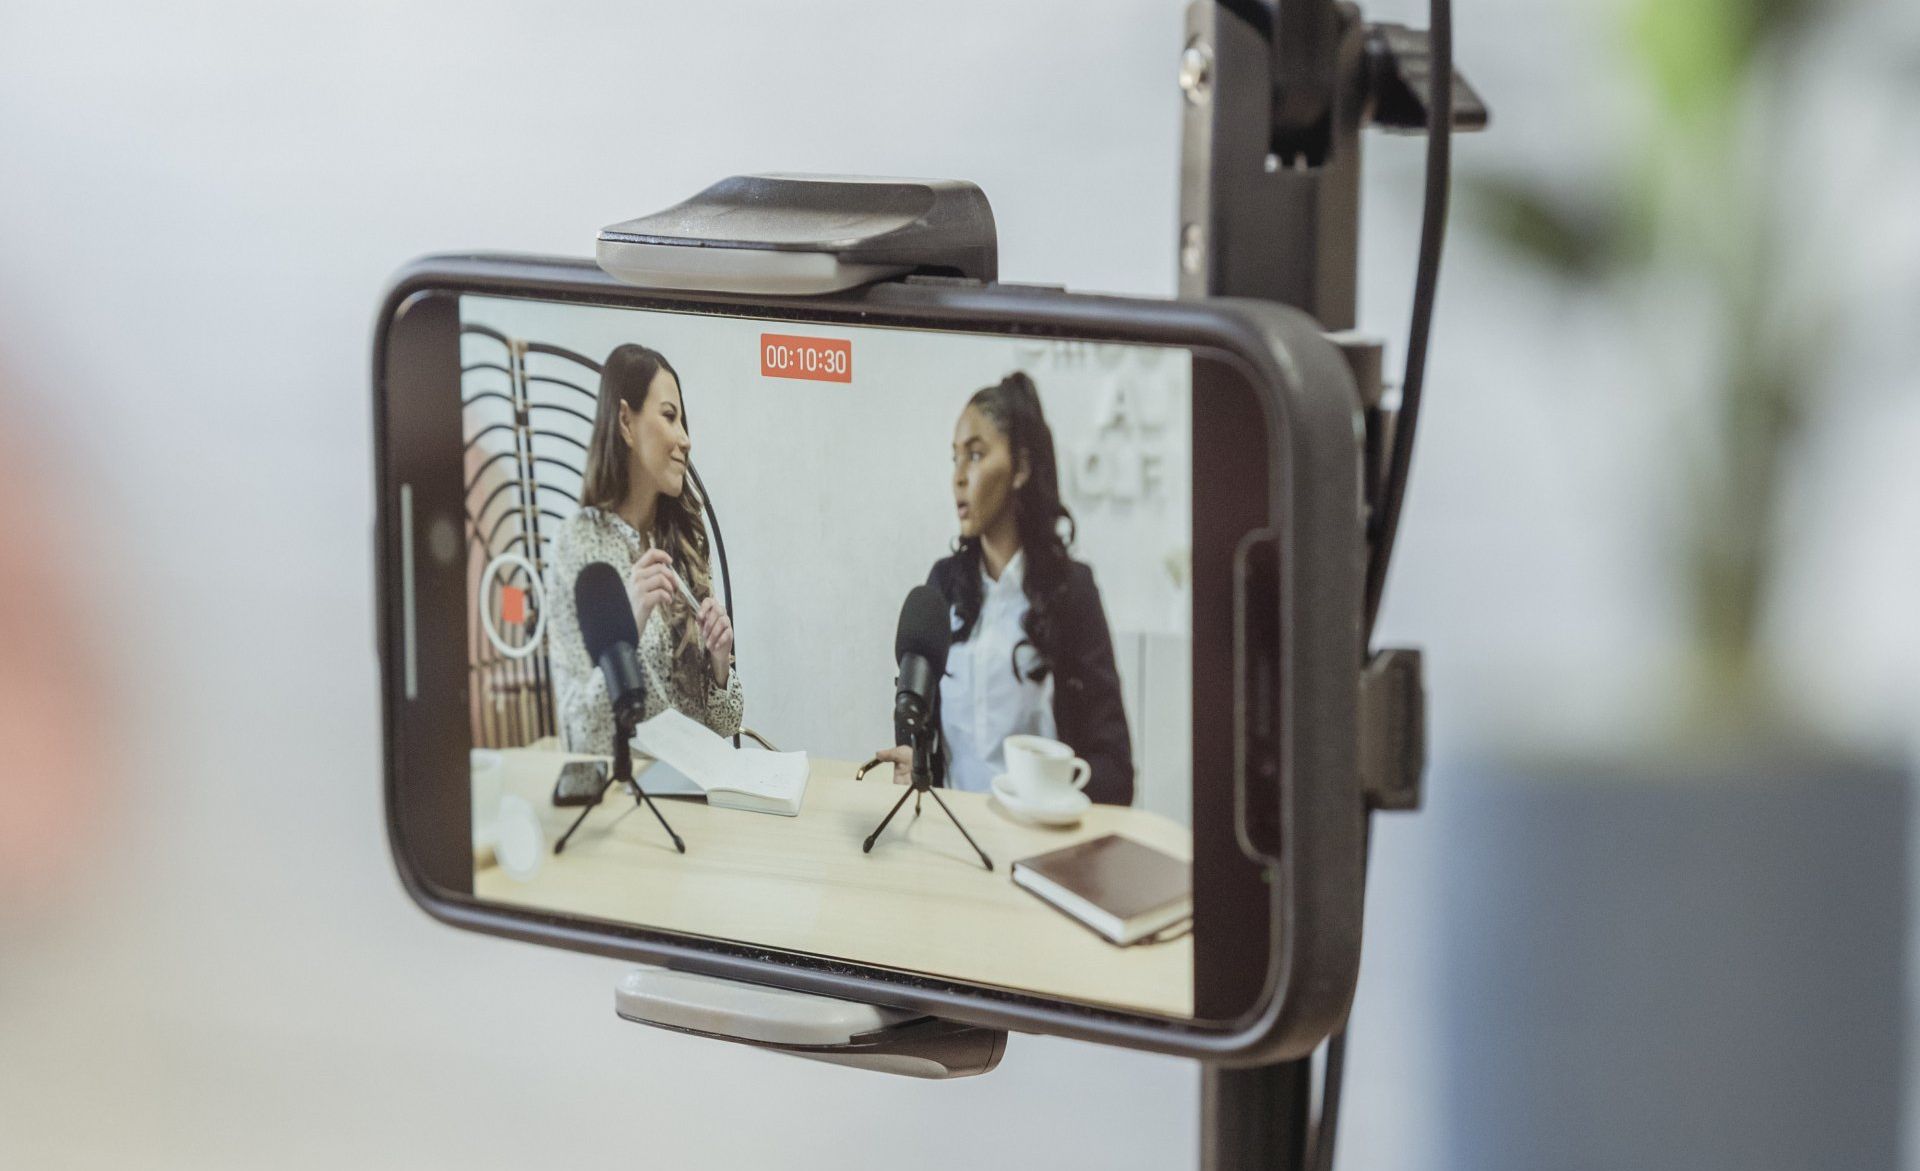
[1121, 888]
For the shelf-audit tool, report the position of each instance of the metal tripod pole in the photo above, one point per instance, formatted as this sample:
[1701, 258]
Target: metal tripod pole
[1255, 224]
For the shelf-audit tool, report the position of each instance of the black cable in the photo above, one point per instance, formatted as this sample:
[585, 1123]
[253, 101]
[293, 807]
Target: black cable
[1320, 1157]
[1386, 527]
[1328, 1130]
[1433, 226]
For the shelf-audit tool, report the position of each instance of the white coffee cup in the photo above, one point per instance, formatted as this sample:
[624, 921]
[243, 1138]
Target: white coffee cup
[1043, 770]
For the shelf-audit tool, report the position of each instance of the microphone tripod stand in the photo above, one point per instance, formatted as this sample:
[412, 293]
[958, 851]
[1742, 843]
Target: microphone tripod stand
[623, 771]
[923, 785]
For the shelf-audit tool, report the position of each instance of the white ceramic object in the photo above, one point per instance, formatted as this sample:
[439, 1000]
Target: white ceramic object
[1043, 771]
[488, 779]
[1060, 811]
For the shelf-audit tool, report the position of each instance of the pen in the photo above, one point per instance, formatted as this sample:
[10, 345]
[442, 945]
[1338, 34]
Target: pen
[685, 591]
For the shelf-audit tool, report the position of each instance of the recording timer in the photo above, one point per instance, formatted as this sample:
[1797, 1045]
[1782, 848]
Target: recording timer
[819, 359]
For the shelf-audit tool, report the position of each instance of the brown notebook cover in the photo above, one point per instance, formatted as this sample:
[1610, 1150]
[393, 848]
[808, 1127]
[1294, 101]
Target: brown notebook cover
[1119, 887]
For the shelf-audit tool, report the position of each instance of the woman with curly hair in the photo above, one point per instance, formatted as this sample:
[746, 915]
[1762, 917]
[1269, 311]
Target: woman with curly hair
[639, 513]
[1031, 650]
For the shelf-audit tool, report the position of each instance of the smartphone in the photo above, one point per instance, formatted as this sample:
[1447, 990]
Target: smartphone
[581, 782]
[1146, 519]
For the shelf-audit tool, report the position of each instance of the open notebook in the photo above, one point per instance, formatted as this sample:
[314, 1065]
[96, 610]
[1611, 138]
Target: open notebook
[690, 760]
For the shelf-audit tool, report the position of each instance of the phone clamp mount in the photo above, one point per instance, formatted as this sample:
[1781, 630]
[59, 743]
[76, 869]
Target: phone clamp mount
[819, 1028]
[1276, 97]
[805, 235]
[808, 235]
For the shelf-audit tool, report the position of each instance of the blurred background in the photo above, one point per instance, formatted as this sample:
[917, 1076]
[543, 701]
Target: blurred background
[1663, 546]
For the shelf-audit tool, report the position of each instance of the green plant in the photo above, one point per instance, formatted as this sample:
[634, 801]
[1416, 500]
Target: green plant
[1694, 217]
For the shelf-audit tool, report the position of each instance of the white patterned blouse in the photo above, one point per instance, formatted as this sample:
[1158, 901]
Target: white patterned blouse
[580, 691]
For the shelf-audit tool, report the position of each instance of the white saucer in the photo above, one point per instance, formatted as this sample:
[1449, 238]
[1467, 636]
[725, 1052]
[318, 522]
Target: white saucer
[1066, 811]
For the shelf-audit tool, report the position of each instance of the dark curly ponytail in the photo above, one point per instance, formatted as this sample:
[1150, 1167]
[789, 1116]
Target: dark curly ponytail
[1013, 406]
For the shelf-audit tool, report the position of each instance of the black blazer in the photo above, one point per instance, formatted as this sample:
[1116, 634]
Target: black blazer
[1087, 712]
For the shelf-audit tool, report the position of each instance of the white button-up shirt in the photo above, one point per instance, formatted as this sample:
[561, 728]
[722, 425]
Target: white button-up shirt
[982, 700]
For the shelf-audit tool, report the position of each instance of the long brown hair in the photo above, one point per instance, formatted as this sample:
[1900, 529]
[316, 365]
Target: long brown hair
[679, 522]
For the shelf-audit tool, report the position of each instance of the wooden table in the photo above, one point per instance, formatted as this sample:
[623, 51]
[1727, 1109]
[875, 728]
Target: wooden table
[921, 902]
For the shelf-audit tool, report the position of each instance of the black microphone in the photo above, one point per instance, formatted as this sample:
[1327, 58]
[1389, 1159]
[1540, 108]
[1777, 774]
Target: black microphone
[612, 638]
[607, 627]
[920, 648]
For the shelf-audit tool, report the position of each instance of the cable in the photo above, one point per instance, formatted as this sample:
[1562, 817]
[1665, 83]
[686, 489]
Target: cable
[1328, 1130]
[1433, 226]
[1320, 1155]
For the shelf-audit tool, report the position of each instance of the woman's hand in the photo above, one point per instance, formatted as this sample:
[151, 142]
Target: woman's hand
[901, 757]
[650, 585]
[716, 630]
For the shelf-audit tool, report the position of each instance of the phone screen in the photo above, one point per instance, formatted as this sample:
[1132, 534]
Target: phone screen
[769, 493]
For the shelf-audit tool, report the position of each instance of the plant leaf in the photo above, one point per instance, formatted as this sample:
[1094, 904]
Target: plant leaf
[1574, 239]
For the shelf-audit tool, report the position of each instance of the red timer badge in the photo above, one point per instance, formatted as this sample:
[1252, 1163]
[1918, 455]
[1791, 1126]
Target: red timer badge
[819, 359]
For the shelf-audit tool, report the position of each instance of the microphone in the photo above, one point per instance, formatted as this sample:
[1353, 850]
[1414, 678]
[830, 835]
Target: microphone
[920, 646]
[612, 638]
[607, 627]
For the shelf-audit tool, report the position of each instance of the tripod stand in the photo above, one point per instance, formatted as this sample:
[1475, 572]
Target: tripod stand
[623, 771]
[923, 785]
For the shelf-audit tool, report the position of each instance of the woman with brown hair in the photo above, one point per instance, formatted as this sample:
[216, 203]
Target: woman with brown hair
[639, 513]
